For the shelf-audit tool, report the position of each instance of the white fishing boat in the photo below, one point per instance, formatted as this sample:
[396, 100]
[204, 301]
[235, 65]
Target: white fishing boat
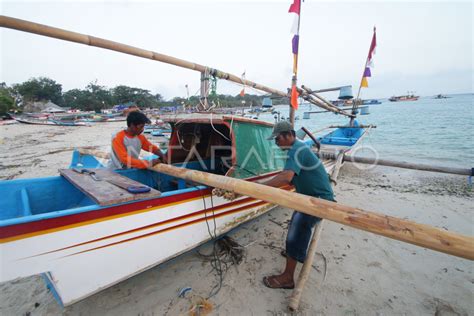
[85, 235]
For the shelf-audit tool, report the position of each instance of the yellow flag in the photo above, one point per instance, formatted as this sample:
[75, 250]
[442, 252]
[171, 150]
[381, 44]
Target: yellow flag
[364, 83]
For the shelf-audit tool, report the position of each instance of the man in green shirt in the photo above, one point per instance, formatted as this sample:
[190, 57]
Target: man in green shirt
[305, 171]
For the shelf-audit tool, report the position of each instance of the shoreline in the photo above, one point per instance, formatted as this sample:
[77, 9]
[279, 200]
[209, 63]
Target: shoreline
[365, 273]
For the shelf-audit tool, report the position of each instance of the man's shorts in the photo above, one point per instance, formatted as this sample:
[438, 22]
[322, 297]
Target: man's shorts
[299, 235]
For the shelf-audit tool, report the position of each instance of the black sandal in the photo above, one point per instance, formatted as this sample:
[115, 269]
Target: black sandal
[275, 284]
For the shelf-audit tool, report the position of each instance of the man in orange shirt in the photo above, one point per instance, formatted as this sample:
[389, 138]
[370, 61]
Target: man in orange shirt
[126, 145]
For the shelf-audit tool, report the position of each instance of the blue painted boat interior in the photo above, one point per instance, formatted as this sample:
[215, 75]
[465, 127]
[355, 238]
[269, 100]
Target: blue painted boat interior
[347, 136]
[26, 200]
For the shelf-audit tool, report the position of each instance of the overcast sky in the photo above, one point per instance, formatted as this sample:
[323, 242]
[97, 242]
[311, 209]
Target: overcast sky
[425, 47]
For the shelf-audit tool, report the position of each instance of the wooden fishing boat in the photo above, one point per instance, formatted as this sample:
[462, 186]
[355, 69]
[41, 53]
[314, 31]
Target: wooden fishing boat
[85, 235]
[87, 232]
[343, 138]
[69, 123]
[32, 120]
[408, 97]
[47, 121]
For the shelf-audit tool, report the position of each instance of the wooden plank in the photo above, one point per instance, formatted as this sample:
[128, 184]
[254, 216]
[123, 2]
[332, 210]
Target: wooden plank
[103, 192]
[392, 227]
[380, 224]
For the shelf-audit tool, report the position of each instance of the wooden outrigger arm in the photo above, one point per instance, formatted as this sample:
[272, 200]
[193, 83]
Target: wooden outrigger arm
[54, 32]
[41, 29]
[407, 231]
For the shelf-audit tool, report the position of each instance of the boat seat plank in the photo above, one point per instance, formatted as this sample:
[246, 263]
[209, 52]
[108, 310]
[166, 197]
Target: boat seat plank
[103, 192]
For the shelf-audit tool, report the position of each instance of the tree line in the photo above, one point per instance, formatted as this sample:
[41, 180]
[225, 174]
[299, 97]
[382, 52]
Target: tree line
[95, 97]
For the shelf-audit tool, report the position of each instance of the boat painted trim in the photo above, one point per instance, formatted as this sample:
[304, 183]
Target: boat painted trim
[161, 223]
[25, 227]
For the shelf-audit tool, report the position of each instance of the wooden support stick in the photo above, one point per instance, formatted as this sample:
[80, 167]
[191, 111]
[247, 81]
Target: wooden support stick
[335, 171]
[295, 297]
[392, 227]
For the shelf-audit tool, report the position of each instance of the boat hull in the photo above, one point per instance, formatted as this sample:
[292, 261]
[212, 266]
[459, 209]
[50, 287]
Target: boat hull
[83, 253]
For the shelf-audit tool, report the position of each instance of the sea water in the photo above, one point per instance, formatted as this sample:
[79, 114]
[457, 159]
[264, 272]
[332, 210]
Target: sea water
[430, 131]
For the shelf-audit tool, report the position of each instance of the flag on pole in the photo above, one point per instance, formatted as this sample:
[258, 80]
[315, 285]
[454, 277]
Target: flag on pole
[294, 97]
[295, 8]
[295, 30]
[369, 63]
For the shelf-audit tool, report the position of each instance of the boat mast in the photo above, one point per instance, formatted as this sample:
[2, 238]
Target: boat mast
[204, 90]
[295, 8]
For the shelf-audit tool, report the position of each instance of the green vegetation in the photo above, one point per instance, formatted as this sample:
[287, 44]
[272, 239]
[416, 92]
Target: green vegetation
[95, 97]
[38, 89]
[6, 100]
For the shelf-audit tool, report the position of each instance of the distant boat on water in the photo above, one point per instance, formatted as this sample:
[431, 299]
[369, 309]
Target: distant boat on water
[371, 102]
[407, 97]
[341, 103]
[441, 96]
[47, 121]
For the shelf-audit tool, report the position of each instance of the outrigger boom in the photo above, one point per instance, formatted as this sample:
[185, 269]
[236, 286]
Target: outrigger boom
[49, 31]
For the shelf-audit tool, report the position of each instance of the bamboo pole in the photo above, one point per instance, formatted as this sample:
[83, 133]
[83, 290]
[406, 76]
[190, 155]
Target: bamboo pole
[320, 103]
[392, 227]
[339, 161]
[295, 297]
[329, 105]
[312, 93]
[409, 165]
[347, 126]
[404, 165]
[41, 29]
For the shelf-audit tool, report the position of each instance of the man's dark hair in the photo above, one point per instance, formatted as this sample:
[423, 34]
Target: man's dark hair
[286, 134]
[137, 118]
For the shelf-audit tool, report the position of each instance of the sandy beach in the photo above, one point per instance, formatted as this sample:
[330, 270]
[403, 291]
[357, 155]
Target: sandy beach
[355, 272]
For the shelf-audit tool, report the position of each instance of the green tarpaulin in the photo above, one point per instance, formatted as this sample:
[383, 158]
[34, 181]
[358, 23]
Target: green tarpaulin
[255, 154]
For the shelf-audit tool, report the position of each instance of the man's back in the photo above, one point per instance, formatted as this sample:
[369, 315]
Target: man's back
[310, 176]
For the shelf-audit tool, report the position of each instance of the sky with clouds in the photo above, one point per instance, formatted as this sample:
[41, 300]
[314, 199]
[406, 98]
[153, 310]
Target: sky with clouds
[426, 46]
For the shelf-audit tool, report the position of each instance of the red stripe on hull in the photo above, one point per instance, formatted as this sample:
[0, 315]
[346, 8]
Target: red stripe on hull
[51, 223]
[174, 227]
[156, 224]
